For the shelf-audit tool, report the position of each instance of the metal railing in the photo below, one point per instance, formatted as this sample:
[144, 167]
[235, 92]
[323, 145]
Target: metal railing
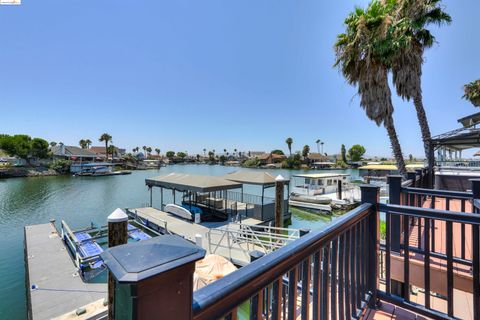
[244, 239]
[330, 273]
[248, 198]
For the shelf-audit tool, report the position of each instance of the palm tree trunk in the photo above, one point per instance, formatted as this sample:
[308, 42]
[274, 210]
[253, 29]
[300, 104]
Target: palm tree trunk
[423, 122]
[397, 150]
[106, 150]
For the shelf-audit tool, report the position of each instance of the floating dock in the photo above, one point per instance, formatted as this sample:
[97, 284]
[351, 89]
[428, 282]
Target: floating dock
[54, 286]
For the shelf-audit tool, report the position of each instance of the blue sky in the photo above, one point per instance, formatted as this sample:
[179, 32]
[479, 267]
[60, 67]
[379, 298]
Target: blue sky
[187, 75]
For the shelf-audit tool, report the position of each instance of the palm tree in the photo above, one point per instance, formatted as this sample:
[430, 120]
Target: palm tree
[82, 144]
[234, 152]
[358, 58]
[472, 92]
[321, 143]
[204, 152]
[411, 19]
[53, 144]
[105, 138]
[289, 142]
[157, 150]
[225, 151]
[144, 150]
[89, 143]
[149, 150]
[318, 145]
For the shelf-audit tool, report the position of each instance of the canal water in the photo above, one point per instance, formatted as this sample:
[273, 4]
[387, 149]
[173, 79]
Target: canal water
[80, 201]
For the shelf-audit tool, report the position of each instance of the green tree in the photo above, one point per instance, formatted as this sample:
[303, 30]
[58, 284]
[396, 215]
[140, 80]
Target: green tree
[170, 154]
[111, 149]
[289, 142]
[410, 157]
[358, 57]
[305, 151]
[157, 151]
[292, 162]
[107, 139]
[409, 39]
[472, 92]
[276, 151]
[149, 150]
[223, 159]
[88, 142]
[356, 152]
[181, 154]
[39, 148]
[343, 152]
[53, 144]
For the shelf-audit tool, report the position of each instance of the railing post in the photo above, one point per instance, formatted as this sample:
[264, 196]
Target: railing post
[394, 197]
[117, 235]
[371, 194]
[476, 251]
[419, 172]
[153, 278]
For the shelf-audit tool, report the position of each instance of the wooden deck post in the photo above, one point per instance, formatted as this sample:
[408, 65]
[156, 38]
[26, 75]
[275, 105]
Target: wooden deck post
[394, 197]
[117, 235]
[279, 190]
[154, 277]
[339, 189]
[371, 194]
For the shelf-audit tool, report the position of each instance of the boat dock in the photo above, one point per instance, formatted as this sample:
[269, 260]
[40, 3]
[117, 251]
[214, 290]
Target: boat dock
[233, 241]
[54, 288]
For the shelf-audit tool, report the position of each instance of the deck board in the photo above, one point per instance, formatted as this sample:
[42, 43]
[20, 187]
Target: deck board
[51, 269]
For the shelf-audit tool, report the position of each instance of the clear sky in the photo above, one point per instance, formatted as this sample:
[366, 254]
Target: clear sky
[187, 75]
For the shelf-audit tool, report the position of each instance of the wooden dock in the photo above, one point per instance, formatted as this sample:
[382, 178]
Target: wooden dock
[236, 252]
[49, 267]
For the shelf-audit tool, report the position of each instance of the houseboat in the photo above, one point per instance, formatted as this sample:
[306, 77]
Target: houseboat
[95, 169]
[323, 192]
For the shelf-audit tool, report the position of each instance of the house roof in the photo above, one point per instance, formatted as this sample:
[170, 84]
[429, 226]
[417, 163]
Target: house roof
[192, 182]
[72, 151]
[318, 157]
[250, 177]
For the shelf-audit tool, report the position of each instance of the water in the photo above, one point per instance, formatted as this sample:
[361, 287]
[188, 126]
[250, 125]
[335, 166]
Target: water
[79, 201]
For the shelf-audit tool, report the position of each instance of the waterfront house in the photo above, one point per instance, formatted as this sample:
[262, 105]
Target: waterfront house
[271, 158]
[61, 151]
[100, 152]
[318, 161]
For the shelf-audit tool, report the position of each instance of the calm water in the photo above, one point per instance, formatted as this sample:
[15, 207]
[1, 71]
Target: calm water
[79, 201]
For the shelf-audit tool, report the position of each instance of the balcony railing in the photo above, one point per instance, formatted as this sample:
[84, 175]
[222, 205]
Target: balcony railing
[341, 271]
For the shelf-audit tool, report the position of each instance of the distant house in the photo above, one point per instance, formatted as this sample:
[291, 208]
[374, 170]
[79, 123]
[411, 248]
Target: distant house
[100, 152]
[255, 154]
[319, 161]
[61, 151]
[271, 158]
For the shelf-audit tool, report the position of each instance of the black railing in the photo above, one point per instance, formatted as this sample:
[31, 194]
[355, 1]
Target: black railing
[330, 273]
[248, 198]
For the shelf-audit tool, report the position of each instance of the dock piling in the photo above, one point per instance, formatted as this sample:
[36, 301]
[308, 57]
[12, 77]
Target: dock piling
[279, 190]
[117, 235]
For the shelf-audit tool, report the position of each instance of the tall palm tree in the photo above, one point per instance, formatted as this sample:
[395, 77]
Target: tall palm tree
[411, 19]
[359, 60]
[289, 142]
[144, 150]
[234, 152]
[321, 143]
[105, 138]
[157, 150]
[204, 152]
[82, 144]
[89, 143]
[318, 145]
[149, 150]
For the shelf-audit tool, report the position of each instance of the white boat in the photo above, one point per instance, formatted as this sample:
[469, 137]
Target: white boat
[178, 211]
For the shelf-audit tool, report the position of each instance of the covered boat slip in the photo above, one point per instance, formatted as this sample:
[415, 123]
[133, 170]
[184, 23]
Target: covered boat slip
[219, 198]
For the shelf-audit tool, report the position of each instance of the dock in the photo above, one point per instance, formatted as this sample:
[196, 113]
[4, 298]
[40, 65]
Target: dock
[221, 238]
[59, 289]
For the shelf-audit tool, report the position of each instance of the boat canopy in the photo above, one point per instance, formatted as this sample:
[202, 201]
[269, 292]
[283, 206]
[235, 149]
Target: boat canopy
[391, 167]
[191, 182]
[249, 177]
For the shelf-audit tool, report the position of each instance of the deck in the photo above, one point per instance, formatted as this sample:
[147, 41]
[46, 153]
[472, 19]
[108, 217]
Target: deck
[49, 267]
[237, 253]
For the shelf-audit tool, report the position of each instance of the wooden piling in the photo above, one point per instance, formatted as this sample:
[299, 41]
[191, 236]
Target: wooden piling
[117, 235]
[279, 190]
